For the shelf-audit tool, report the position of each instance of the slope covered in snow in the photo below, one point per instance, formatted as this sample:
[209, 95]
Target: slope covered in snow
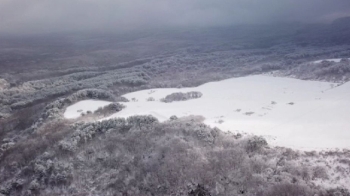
[287, 112]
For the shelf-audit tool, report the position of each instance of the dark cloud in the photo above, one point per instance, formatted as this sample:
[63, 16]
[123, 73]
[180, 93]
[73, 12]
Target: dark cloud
[69, 15]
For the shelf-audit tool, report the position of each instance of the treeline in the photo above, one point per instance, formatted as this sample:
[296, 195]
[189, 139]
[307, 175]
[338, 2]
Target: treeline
[34, 92]
[182, 69]
[324, 71]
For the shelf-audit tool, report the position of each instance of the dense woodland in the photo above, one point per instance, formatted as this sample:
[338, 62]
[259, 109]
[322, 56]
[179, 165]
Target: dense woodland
[43, 154]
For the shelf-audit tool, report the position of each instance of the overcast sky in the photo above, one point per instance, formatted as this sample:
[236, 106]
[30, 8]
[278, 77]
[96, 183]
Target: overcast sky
[41, 16]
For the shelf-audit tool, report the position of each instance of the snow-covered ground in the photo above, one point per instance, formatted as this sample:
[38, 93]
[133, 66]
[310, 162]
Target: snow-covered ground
[75, 110]
[330, 60]
[306, 115]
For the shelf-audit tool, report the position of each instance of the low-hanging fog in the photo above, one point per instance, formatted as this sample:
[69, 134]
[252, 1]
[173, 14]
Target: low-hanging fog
[44, 16]
[175, 97]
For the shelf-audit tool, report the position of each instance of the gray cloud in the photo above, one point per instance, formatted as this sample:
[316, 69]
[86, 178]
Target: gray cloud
[18, 16]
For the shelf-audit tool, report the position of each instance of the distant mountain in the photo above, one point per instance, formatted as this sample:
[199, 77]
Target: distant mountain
[341, 23]
[338, 32]
[340, 29]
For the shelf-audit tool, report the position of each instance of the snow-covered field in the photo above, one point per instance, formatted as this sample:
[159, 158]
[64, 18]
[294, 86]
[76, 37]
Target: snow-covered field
[330, 60]
[306, 115]
[75, 110]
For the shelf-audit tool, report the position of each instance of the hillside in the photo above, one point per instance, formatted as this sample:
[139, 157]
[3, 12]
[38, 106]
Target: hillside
[244, 110]
[140, 156]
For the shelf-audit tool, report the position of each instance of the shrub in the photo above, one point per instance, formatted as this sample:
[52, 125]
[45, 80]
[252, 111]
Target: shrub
[336, 192]
[34, 185]
[288, 190]
[121, 99]
[173, 117]
[141, 120]
[109, 109]
[181, 96]
[199, 191]
[319, 172]
[150, 99]
[255, 144]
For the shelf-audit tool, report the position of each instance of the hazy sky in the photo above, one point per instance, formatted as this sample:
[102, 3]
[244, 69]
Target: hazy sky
[22, 16]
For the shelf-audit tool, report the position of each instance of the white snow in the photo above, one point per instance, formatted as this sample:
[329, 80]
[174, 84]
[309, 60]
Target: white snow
[318, 119]
[75, 110]
[330, 60]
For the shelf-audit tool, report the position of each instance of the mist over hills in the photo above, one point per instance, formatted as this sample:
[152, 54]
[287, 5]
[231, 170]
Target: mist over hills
[43, 72]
